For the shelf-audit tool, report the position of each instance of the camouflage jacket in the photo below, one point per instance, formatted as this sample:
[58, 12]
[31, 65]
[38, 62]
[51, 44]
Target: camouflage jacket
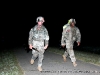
[70, 34]
[38, 35]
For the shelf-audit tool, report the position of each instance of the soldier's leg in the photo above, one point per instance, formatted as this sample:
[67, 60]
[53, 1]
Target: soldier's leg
[34, 56]
[34, 53]
[41, 56]
[72, 56]
[65, 55]
[66, 52]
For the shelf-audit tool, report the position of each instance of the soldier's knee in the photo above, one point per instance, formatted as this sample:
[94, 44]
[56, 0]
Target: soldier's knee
[33, 52]
[40, 59]
[35, 55]
[71, 48]
[41, 55]
[72, 56]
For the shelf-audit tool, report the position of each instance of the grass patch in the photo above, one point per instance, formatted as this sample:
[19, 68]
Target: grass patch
[9, 64]
[83, 56]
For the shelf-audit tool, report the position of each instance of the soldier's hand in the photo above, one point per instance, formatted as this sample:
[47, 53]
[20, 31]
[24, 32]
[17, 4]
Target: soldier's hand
[63, 46]
[30, 46]
[45, 47]
[78, 43]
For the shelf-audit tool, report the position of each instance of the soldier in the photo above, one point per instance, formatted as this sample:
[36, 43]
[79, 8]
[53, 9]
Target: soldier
[70, 34]
[38, 38]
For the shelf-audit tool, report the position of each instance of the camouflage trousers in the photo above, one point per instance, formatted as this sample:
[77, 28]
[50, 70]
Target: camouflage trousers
[69, 51]
[40, 46]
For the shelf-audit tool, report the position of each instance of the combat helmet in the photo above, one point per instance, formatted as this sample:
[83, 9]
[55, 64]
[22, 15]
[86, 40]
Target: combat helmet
[71, 20]
[40, 18]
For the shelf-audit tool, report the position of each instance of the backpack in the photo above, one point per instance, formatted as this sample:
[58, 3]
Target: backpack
[65, 26]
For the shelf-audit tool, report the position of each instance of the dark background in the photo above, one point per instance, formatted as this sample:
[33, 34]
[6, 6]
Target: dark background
[17, 19]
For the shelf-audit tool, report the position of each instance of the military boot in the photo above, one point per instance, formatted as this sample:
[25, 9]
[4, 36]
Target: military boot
[74, 64]
[39, 68]
[32, 61]
[64, 57]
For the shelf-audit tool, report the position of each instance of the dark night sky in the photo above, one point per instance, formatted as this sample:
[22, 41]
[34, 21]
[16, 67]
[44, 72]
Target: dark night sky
[18, 19]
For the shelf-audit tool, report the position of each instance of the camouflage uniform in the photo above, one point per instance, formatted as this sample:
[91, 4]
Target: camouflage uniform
[38, 38]
[69, 36]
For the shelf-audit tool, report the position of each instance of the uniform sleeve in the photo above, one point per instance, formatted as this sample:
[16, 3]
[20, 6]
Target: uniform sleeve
[78, 35]
[46, 37]
[30, 37]
[63, 37]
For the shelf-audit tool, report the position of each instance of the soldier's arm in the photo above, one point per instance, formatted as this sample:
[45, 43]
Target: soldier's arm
[46, 37]
[78, 35]
[63, 37]
[30, 37]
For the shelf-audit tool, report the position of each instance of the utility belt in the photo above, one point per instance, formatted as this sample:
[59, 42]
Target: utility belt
[41, 40]
[72, 39]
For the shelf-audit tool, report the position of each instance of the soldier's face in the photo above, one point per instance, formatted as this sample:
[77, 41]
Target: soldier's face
[72, 24]
[40, 23]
